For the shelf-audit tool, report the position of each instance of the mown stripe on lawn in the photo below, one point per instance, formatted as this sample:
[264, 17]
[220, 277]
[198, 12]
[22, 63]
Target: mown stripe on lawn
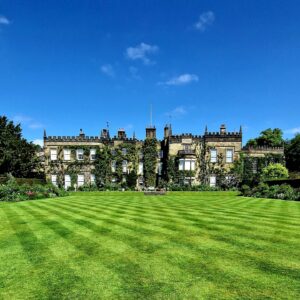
[136, 280]
[60, 278]
[221, 238]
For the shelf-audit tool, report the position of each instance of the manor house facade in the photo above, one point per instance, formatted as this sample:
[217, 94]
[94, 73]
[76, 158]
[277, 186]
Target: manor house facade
[185, 158]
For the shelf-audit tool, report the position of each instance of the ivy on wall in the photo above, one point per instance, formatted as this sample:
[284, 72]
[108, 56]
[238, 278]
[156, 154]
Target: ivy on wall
[150, 161]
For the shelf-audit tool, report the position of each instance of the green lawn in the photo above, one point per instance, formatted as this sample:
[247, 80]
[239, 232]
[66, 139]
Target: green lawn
[209, 245]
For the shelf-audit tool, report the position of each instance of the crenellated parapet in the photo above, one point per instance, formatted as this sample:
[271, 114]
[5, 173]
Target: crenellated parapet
[259, 151]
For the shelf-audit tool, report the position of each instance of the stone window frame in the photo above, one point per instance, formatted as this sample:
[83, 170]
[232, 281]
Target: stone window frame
[213, 159]
[232, 155]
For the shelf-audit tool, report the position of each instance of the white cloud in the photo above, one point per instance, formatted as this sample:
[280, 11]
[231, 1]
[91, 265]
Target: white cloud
[35, 125]
[108, 70]
[27, 121]
[21, 119]
[4, 20]
[182, 79]
[205, 19]
[141, 52]
[177, 112]
[292, 130]
[38, 142]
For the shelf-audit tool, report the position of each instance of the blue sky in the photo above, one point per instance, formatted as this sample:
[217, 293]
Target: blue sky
[66, 65]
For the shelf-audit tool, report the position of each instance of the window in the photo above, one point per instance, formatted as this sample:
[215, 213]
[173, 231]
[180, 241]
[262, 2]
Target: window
[140, 155]
[80, 154]
[124, 166]
[67, 154]
[160, 166]
[187, 147]
[141, 168]
[186, 165]
[181, 165]
[67, 181]
[212, 181]
[124, 151]
[113, 166]
[54, 179]
[229, 155]
[93, 179]
[80, 180]
[93, 154]
[53, 154]
[213, 155]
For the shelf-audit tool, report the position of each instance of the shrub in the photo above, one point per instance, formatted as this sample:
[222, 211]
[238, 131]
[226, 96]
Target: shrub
[274, 171]
[12, 191]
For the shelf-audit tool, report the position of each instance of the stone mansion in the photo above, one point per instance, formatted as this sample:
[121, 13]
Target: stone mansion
[69, 160]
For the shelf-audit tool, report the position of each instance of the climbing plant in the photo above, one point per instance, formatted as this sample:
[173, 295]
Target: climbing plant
[102, 163]
[150, 161]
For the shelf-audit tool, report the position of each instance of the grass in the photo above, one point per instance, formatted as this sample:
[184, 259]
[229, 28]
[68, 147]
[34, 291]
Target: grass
[209, 245]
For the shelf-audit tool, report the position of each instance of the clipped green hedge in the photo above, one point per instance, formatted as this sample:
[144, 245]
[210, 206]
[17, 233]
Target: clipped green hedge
[263, 190]
[295, 183]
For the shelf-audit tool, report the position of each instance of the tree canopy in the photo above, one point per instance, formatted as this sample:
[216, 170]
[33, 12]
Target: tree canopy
[17, 155]
[269, 137]
[292, 153]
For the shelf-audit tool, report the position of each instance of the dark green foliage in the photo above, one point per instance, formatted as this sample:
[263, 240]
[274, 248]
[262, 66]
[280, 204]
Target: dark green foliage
[295, 183]
[103, 166]
[187, 187]
[263, 190]
[269, 137]
[17, 156]
[131, 179]
[249, 169]
[150, 160]
[88, 188]
[292, 154]
[12, 191]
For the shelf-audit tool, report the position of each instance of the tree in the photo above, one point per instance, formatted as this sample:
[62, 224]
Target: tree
[269, 137]
[17, 156]
[274, 171]
[292, 153]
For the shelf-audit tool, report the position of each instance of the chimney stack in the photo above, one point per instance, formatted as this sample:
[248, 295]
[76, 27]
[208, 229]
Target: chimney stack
[223, 129]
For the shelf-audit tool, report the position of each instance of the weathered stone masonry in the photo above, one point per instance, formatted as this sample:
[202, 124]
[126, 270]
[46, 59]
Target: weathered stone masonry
[69, 159]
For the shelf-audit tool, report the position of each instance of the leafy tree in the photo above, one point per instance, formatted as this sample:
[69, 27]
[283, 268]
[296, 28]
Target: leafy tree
[269, 137]
[17, 156]
[292, 153]
[274, 171]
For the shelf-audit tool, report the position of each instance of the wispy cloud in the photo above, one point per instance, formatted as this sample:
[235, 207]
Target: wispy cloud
[177, 112]
[292, 130]
[38, 142]
[4, 20]
[108, 70]
[205, 19]
[134, 73]
[181, 80]
[35, 125]
[27, 121]
[141, 52]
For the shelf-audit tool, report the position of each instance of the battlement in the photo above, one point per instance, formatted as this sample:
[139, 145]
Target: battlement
[262, 148]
